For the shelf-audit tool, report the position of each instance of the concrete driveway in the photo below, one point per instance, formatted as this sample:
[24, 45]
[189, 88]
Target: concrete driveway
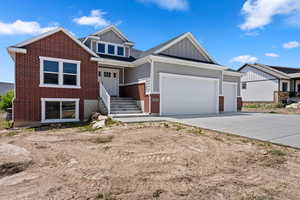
[276, 128]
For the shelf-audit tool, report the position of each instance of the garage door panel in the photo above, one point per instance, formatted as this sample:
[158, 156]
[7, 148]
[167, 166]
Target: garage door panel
[188, 95]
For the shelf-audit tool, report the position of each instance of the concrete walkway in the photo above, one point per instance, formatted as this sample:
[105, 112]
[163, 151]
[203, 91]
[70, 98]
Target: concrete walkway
[276, 128]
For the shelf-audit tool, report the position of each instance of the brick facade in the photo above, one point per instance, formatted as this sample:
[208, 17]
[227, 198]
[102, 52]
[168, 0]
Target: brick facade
[138, 92]
[221, 103]
[27, 104]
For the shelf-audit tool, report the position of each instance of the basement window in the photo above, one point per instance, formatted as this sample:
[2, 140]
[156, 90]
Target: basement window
[61, 73]
[60, 110]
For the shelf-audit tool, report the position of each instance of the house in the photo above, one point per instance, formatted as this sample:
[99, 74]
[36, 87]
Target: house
[5, 87]
[269, 84]
[60, 78]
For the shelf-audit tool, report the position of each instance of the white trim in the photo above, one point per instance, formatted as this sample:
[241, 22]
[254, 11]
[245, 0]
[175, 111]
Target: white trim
[133, 83]
[91, 37]
[106, 48]
[192, 39]
[60, 73]
[114, 29]
[55, 31]
[43, 110]
[161, 75]
[16, 50]
[230, 73]
[187, 63]
[105, 61]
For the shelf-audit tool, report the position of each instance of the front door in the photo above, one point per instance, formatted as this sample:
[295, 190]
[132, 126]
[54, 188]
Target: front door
[110, 80]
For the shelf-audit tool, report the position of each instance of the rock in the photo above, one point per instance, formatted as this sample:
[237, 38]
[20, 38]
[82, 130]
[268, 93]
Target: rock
[95, 116]
[17, 179]
[99, 124]
[13, 159]
[293, 105]
[101, 117]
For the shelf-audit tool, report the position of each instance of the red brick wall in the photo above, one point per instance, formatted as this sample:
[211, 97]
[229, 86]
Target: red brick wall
[136, 91]
[239, 103]
[221, 103]
[27, 105]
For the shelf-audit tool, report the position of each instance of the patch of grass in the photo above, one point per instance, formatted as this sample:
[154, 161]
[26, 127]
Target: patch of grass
[276, 152]
[252, 106]
[87, 128]
[6, 124]
[110, 122]
[166, 125]
[179, 126]
[103, 139]
[197, 131]
[157, 193]
[105, 196]
[12, 133]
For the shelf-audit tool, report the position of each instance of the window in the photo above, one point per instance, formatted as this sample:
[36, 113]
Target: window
[120, 51]
[284, 86]
[50, 72]
[111, 49]
[101, 48]
[57, 72]
[60, 110]
[244, 86]
[115, 75]
[107, 74]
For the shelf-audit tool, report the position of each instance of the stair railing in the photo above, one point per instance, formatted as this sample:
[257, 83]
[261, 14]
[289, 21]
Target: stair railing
[105, 97]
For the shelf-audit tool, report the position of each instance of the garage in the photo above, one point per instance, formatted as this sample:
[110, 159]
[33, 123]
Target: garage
[230, 95]
[182, 95]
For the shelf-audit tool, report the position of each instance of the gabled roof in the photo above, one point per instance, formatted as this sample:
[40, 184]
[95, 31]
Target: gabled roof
[165, 45]
[22, 44]
[268, 69]
[114, 29]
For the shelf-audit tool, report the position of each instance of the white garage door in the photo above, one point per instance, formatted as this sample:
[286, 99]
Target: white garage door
[230, 94]
[188, 95]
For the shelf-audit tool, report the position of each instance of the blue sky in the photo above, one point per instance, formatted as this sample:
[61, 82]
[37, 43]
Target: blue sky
[233, 32]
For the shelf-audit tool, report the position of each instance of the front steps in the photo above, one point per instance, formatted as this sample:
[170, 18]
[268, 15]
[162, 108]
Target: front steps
[124, 106]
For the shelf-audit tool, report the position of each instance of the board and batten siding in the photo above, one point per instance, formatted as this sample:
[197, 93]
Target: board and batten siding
[260, 85]
[136, 74]
[185, 49]
[183, 70]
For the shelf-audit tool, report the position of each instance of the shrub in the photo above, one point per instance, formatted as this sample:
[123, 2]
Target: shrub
[6, 100]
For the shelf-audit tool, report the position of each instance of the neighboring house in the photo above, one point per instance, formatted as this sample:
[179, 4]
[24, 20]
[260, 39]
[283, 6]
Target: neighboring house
[5, 87]
[60, 78]
[268, 84]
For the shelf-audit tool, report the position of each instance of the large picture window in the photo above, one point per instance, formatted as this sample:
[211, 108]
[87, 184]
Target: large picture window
[57, 72]
[60, 110]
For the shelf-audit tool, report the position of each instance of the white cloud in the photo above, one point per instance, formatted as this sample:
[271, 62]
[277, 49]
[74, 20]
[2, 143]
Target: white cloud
[290, 45]
[96, 19]
[169, 4]
[259, 13]
[274, 55]
[20, 27]
[244, 59]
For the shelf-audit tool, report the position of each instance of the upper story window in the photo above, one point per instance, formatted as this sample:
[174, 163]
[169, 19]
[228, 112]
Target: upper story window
[244, 85]
[55, 72]
[110, 49]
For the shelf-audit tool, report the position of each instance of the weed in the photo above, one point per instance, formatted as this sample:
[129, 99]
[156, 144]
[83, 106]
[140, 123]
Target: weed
[157, 193]
[218, 139]
[105, 196]
[6, 124]
[197, 131]
[166, 125]
[12, 133]
[103, 139]
[276, 152]
[110, 122]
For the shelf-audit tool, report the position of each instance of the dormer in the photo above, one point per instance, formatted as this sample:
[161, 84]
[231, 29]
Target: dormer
[110, 42]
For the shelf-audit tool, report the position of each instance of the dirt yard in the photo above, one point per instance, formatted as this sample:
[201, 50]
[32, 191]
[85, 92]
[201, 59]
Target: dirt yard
[146, 161]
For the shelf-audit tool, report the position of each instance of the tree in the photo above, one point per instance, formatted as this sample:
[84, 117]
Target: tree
[6, 100]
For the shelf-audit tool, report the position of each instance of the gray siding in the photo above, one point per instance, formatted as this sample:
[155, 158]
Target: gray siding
[234, 79]
[186, 49]
[110, 36]
[183, 70]
[137, 73]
